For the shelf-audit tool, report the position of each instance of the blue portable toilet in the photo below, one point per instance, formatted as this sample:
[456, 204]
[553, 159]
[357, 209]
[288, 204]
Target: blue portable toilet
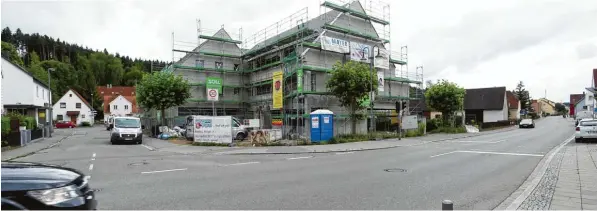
[322, 125]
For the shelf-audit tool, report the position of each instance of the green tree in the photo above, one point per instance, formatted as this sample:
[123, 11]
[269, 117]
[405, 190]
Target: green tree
[523, 96]
[134, 75]
[351, 82]
[560, 108]
[162, 90]
[445, 97]
[10, 51]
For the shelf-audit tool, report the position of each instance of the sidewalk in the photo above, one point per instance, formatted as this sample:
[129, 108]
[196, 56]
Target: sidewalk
[569, 182]
[165, 146]
[36, 145]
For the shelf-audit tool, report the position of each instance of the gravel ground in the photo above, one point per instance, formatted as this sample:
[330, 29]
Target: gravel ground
[540, 198]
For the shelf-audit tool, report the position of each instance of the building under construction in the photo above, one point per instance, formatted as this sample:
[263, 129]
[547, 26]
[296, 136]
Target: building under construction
[301, 52]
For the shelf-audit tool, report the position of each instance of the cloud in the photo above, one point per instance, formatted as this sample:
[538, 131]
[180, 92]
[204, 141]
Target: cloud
[586, 51]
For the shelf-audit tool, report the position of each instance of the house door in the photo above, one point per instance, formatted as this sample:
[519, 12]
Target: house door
[73, 119]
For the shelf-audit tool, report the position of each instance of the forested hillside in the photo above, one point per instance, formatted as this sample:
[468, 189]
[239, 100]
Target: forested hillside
[77, 67]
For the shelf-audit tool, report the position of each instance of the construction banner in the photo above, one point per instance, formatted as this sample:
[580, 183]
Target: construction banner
[277, 89]
[334, 44]
[299, 80]
[381, 59]
[360, 52]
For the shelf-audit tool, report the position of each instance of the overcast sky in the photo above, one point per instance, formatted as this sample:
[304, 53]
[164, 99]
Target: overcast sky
[549, 44]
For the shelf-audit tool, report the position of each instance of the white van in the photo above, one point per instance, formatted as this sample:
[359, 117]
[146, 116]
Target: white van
[126, 129]
[239, 131]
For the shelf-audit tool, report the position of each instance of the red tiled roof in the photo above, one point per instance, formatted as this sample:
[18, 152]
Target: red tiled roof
[574, 98]
[82, 99]
[109, 94]
[512, 100]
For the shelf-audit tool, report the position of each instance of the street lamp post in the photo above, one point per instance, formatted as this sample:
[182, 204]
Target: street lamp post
[51, 125]
[371, 57]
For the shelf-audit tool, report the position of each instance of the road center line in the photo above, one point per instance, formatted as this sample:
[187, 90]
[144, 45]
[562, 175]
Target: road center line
[447, 153]
[151, 172]
[297, 158]
[93, 156]
[502, 153]
[90, 167]
[238, 164]
[343, 153]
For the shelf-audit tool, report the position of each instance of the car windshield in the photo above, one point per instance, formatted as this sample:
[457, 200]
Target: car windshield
[589, 123]
[127, 123]
[526, 121]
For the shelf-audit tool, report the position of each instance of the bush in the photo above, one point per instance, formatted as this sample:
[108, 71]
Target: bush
[496, 124]
[85, 124]
[5, 125]
[434, 124]
[30, 123]
[460, 129]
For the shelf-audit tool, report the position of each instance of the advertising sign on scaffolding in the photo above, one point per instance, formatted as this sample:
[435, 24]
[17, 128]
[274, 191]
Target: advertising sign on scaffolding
[216, 129]
[382, 59]
[334, 44]
[380, 81]
[214, 83]
[277, 89]
[360, 52]
[410, 122]
[299, 80]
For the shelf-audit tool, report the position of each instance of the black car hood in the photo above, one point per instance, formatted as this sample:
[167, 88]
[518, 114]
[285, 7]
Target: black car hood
[18, 176]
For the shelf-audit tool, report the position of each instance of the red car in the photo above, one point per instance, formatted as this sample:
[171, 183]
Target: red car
[65, 124]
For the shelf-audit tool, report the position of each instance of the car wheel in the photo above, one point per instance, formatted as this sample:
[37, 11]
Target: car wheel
[140, 142]
[240, 136]
[577, 140]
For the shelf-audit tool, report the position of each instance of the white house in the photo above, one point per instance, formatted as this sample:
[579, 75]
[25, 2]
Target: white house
[589, 99]
[122, 106]
[486, 105]
[72, 107]
[22, 93]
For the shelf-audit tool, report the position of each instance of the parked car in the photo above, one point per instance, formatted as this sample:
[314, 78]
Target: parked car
[126, 129]
[586, 129]
[34, 186]
[526, 123]
[65, 124]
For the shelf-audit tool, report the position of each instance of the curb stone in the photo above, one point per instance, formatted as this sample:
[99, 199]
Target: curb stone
[33, 152]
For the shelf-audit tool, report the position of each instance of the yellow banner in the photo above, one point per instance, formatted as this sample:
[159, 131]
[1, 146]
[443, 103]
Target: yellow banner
[277, 89]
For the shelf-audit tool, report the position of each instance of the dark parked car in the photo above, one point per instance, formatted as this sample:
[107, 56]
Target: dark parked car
[34, 186]
[65, 124]
[527, 123]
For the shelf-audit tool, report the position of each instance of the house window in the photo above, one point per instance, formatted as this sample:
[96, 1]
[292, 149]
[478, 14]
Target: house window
[313, 82]
[37, 91]
[43, 94]
[59, 117]
[236, 91]
[199, 63]
[62, 105]
[82, 115]
[236, 67]
[126, 107]
[219, 65]
[78, 105]
[115, 107]
[265, 89]
[70, 95]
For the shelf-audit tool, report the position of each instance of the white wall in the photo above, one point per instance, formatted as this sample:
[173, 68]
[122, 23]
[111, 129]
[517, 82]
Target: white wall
[120, 102]
[589, 101]
[40, 95]
[71, 100]
[493, 115]
[17, 86]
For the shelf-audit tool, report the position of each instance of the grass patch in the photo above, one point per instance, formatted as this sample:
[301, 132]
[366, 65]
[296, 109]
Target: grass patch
[452, 130]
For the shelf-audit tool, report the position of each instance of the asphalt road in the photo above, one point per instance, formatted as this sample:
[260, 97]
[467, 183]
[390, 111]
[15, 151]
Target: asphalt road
[476, 173]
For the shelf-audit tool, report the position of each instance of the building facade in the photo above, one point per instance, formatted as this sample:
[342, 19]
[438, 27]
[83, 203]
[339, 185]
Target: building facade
[32, 97]
[281, 78]
[72, 107]
[118, 100]
[485, 105]
[513, 106]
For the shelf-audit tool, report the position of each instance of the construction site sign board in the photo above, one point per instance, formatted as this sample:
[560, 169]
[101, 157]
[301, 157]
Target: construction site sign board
[216, 129]
[381, 59]
[214, 83]
[277, 89]
[360, 52]
[334, 44]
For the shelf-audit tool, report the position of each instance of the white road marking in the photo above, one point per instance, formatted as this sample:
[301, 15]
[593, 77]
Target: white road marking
[239, 164]
[503, 153]
[88, 177]
[541, 171]
[92, 159]
[90, 167]
[447, 153]
[297, 158]
[151, 172]
[343, 153]
[148, 147]
[495, 142]
[93, 156]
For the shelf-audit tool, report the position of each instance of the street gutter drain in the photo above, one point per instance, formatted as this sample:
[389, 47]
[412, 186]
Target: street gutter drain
[138, 164]
[397, 170]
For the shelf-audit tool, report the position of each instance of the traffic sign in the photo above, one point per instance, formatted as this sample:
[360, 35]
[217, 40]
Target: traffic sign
[212, 94]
